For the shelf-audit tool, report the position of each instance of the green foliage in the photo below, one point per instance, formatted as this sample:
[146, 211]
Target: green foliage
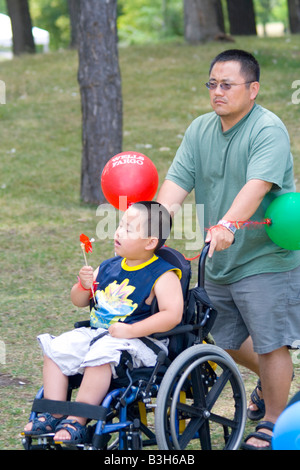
[52, 15]
[3, 8]
[267, 11]
[139, 21]
[149, 20]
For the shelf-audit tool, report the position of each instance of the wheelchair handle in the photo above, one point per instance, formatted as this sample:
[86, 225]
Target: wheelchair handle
[201, 265]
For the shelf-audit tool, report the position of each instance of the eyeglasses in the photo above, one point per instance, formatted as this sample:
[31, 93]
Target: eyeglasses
[224, 86]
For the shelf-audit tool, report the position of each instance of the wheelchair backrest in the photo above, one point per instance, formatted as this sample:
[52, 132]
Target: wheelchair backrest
[197, 308]
[175, 258]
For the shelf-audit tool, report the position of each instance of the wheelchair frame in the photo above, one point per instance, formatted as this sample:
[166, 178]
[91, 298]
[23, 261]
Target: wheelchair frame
[186, 389]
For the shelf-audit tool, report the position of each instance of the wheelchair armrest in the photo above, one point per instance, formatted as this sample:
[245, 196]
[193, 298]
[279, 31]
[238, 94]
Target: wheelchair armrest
[175, 331]
[80, 324]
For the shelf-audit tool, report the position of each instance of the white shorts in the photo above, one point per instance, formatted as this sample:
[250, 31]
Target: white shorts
[72, 351]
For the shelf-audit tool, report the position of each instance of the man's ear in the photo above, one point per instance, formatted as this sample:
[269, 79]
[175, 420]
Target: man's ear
[254, 88]
[152, 243]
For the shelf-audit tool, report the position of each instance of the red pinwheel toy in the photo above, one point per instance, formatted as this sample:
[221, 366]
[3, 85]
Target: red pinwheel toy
[86, 245]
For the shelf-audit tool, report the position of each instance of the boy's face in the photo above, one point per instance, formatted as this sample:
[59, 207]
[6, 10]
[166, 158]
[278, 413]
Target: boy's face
[130, 240]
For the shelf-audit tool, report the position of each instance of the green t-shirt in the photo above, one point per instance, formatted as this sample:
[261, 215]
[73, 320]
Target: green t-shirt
[217, 165]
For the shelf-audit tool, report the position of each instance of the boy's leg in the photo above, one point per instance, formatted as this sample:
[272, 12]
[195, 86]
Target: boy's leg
[55, 382]
[93, 389]
[55, 385]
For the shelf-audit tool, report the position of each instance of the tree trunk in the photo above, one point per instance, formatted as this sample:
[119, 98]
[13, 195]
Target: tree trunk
[101, 95]
[74, 11]
[241, 17]
[201, 20]
[19, 13]
[294, 15]
[220, 16]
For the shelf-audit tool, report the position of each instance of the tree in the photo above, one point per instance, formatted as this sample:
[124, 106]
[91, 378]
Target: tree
[101, 96]
[294, 16]
[19, 13]
[74, 11]
[201, 20]
[241, 17]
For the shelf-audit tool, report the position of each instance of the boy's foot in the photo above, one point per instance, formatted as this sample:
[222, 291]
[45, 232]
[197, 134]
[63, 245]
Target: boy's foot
[70, 431]
[44, 423]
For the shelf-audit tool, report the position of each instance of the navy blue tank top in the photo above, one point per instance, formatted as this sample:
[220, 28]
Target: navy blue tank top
[121, 291]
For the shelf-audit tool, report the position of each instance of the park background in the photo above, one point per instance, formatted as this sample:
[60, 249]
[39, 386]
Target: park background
[42, 214]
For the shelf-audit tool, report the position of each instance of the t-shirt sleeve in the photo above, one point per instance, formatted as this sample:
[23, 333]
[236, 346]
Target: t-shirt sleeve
[182, 169]
[269, 156]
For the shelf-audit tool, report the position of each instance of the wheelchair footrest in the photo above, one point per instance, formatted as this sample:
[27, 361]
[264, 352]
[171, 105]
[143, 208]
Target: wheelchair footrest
[68, 408]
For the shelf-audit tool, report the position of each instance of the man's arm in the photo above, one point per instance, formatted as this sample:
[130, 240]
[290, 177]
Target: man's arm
[243, 207]
[171, 196]
[170, 303]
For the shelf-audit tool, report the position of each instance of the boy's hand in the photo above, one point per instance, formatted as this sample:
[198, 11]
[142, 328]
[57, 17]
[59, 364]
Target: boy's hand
[121, 330]
[86, 277]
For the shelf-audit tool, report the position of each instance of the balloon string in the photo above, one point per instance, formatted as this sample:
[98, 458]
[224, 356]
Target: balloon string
[191, 259]
[245, 223]
[238, 224]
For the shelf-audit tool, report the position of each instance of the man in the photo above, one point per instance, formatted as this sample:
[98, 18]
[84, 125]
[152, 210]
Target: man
[237, 159]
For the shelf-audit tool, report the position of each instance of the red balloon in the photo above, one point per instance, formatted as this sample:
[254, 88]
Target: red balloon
[127, 178]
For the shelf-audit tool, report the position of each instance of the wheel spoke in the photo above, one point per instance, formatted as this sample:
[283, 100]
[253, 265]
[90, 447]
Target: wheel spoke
[197, 425]
[203, 407]
[217, 388]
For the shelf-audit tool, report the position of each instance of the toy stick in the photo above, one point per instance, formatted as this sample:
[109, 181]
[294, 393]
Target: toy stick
[86, 245]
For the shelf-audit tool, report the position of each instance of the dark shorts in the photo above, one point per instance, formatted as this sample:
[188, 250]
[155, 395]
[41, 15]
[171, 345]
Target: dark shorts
[264, 306]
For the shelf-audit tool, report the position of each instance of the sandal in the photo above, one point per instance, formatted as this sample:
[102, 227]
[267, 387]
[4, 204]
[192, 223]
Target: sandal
[261, 436]
[256, 415]
[77, 436]
[48, 425]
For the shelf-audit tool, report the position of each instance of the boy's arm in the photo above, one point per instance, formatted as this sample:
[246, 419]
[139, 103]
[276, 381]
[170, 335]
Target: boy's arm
[81, 291]
[170, 302]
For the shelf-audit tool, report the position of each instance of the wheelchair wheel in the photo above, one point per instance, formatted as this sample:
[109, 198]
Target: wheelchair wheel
[201, 403]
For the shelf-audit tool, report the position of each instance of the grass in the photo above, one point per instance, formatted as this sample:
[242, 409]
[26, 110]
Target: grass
[41, 214]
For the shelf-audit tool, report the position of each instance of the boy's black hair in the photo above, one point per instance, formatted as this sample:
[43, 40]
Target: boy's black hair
[158, 221]
[249, 65]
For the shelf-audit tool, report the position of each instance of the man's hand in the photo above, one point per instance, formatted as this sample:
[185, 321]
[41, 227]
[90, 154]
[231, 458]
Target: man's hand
[220, 238]
[243, 207]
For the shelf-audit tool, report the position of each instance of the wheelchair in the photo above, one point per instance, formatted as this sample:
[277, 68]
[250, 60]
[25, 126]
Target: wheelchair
[194, 398]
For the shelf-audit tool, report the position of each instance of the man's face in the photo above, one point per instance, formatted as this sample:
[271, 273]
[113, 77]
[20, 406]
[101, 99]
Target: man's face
[231, 105]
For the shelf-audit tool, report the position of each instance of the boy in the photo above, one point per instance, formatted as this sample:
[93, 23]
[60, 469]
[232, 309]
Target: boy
[124, 289]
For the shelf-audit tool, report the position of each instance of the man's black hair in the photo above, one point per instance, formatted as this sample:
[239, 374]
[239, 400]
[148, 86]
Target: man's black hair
[249, 66]
[158, 221]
